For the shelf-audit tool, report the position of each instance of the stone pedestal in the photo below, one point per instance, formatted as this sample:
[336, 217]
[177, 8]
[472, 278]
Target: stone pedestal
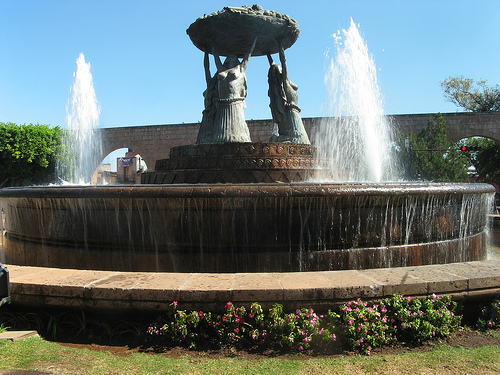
[235, 163]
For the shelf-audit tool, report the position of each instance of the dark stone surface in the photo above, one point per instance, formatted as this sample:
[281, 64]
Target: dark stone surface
[235, 163]
[245, 227]
[233, 29]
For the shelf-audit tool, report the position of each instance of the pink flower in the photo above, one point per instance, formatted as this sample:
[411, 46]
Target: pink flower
[200, 314]
[334, 337]
[175, 303]
[228, 305]
[236, 330]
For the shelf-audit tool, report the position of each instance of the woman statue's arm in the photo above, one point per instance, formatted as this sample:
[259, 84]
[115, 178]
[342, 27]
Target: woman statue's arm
[215, 52]
[270, 59]
[206, 64]
[244, 63]
[284, 71]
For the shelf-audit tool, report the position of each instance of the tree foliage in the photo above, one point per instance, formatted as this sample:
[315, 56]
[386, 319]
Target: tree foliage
[28, 153]
[430, 156]
[470, 95]
[485, 159]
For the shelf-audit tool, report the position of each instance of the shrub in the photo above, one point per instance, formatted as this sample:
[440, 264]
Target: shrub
[28, 153]
[418, 320]
[236, 327]
[298, 331]
[490, 316]
[365, 326]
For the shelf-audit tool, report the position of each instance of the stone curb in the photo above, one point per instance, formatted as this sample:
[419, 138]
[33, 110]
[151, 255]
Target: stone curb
[149, 292]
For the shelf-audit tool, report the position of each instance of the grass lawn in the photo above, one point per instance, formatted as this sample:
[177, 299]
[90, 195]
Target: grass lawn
[36, 353]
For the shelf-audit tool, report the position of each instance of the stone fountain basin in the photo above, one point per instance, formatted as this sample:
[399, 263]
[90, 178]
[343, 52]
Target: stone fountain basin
[245, 227]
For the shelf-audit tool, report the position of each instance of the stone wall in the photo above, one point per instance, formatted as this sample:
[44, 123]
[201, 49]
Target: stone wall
[153, 142]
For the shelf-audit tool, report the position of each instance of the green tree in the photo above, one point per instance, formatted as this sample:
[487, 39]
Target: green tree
[484, 157]
[470, 95]
[430, 156]
[28, 153]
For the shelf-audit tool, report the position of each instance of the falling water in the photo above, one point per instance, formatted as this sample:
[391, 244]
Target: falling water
[355, 144]
[82, 119]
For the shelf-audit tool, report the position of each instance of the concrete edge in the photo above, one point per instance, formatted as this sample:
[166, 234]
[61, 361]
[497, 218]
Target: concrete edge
[134, 292]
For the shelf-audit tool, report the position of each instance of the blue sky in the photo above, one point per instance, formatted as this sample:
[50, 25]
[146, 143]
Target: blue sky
[147, 71]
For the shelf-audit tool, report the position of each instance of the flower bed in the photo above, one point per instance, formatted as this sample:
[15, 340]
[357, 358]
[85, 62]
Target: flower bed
[363, 326]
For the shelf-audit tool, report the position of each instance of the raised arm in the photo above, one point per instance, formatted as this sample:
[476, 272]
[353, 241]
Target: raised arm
[215, 52]
[244, 63]
[284, 71]
[270, 59]
[206, 64]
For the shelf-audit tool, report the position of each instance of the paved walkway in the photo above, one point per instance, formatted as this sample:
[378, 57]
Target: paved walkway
[152, 292]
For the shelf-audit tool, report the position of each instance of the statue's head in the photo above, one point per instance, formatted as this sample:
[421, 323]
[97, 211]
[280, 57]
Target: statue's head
[231, 62]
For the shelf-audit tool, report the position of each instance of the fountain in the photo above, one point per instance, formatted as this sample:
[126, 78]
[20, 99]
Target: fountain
[229, 205]
[83, 145]
[355, 101]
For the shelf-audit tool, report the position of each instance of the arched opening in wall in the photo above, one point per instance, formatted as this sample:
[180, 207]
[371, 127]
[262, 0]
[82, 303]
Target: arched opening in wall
[121, 166]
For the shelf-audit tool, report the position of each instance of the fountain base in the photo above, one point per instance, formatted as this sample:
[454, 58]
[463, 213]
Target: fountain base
[245, 228]
[234, 163]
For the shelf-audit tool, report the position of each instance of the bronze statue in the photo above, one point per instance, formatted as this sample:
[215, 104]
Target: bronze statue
[211, 95]
[241, 32]
[229, 123]
[284, 99]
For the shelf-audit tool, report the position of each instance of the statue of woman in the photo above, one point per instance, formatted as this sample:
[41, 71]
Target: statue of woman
[229, 124]
[284, 100]
[211, 94]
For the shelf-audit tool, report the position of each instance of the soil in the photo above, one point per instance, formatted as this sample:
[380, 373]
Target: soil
[464, 337]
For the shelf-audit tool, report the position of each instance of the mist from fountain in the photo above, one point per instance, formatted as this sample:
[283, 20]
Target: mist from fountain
[354, 142]
[83, 143]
